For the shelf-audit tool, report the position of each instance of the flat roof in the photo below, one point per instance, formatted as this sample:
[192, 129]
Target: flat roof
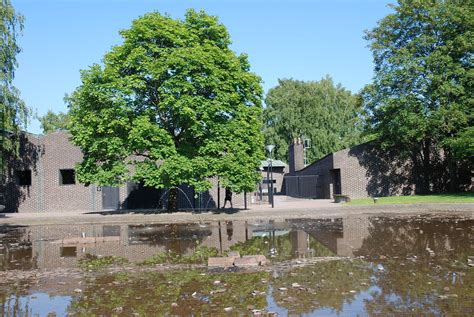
[275, 163]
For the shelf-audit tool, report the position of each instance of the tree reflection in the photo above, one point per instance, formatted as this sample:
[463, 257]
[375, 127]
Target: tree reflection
[293, 244]
[324, 285]
[149, 294]
[424, 271]
[11, 303]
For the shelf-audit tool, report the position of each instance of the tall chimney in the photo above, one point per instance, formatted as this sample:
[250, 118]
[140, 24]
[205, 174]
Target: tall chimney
[296, 159]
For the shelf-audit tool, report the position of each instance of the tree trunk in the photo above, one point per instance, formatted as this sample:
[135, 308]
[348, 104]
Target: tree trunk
[452, 171]
[426, 166]
[173, 200]
[417, 171]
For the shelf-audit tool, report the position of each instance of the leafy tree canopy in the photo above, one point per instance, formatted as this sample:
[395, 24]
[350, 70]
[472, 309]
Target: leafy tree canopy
[421, 96]
[171, 105]
[325, 113]
[51, 121]
[13, 112]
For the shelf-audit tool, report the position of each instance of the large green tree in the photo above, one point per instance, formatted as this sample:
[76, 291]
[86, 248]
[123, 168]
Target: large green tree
[325, 113]
[13, 112]
[52, 121]
[171, 105]
[420, 100]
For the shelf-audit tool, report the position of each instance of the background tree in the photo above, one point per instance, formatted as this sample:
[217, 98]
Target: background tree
[325, 113]
[177, 99]
[421, 98]
[51, 121]
[13, 112]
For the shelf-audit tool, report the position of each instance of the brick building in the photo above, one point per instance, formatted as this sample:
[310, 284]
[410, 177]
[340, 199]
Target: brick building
[278, 170]
[366, 171]
[43, 179]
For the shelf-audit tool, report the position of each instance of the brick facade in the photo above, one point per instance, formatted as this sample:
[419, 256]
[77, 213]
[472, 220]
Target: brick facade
[366, 171]
[278, 179]
[46, 155]
[296, 156]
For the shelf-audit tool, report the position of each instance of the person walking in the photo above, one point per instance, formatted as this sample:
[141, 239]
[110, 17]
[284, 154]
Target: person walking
[228, 197]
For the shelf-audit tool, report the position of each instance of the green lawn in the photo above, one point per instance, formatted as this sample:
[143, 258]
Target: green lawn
[417, 199]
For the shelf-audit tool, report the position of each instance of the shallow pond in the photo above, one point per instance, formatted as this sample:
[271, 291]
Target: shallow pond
[387, 266]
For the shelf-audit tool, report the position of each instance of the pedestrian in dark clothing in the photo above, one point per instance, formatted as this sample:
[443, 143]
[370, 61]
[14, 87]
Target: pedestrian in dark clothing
[228, 197]
[230, 230]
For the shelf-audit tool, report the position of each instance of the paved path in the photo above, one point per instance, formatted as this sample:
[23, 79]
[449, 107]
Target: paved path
[284, 209]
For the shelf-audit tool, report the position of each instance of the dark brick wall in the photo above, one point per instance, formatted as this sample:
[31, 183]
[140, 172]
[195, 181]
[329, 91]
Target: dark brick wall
[278, 175]
[27, 197]
[46, 155]
[324, 180]
[368, 171]
[316, 175]
[364, 172]
[59, 153]
[296, 156]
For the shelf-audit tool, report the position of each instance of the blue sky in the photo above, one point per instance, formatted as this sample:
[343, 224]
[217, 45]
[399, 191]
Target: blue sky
[300, 39]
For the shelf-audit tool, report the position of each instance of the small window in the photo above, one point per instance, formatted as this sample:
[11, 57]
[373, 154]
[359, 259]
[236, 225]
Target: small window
[67, 177]
[24, 177]
[68, 252]
[111, 231]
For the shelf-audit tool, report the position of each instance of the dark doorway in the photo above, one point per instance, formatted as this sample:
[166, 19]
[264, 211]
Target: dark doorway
[110, 198]
[336, 180]
[141, 196]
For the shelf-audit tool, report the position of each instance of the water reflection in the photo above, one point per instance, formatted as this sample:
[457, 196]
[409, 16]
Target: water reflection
[63, 246]
[177, 293]
[410, 265]
[15, 249]
[48, 247]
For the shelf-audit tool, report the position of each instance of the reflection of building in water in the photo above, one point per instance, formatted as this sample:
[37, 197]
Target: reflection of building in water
[355, 230]
[342, 236]
[15, 250]
[300, 244]
[64, 245]
[225, 234]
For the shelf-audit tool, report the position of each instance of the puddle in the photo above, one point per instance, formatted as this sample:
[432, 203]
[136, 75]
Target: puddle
[393, 265]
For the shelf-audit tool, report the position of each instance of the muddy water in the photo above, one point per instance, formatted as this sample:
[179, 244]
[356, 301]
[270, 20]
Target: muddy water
[387, 266]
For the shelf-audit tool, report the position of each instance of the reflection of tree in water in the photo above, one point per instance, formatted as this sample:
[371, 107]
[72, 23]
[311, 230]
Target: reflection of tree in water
[11, 301]
[412, 236]
[325, 285]
[178, 238]
[264, 245]
[151, 294]
[16, 252]
[413, 281]
[281, 247]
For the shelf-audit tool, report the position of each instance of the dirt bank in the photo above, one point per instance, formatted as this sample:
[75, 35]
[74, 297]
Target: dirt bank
[260, 212]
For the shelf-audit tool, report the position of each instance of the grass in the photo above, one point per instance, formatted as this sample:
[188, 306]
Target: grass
[416, 199]
[94, 263]
[199, 256]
